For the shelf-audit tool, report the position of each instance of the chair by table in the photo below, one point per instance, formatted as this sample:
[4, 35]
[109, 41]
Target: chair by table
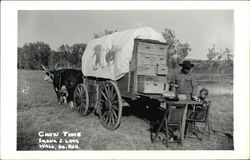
[204, 119]
[175, 117]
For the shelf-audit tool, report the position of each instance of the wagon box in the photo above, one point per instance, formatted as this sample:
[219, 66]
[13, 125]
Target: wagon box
[148, 67]
[150, 84]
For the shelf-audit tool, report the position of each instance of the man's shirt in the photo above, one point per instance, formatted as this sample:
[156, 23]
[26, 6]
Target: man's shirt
[186, 84]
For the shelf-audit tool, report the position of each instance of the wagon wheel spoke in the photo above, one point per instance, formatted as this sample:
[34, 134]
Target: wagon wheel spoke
[115, 107]
[114, 96]
[80, 106]
[112, 122]
[77, 94]
[104, 96]
[107, 92]
[102, 101]
[107, 118]
[105, 114]
[115, 102]
[84, 100]
[80, 109]
[83, 106]
[112, 118]
[106, 121]
[79, 91]
[114, 113]
[111, 89]
[112, 92]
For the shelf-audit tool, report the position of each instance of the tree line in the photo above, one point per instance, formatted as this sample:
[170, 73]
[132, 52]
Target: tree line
[219, 55]
[32, 55]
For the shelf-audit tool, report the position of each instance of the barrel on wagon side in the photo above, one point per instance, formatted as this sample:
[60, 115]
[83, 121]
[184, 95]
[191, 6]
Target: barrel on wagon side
[123, 65]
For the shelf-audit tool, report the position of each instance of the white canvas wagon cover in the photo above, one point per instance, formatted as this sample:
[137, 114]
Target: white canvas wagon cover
[109, 56]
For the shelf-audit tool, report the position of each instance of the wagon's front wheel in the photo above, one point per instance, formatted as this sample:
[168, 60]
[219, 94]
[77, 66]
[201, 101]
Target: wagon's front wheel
[81, 99]
[110, 108]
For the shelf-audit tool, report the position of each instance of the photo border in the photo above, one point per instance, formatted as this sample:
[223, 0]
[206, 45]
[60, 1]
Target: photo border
[9, 74]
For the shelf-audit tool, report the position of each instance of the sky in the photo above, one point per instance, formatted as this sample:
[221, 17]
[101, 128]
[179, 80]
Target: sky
[200, 28]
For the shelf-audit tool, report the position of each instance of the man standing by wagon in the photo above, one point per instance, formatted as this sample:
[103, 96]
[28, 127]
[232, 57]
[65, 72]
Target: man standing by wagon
[184, 85]
[183, 82]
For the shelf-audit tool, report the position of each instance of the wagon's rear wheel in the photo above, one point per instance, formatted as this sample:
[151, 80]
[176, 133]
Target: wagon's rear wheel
[110, 109]
[81, 99]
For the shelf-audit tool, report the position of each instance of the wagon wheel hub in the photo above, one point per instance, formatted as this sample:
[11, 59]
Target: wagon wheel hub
[109, 105]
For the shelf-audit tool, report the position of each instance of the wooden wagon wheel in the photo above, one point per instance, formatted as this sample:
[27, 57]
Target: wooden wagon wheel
[81, 99]
[110, 108]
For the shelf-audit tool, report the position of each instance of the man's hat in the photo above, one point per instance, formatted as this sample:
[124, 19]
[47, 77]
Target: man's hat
[187, 64]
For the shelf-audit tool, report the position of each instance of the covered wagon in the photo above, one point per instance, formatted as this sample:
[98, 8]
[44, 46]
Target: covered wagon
[120, 66]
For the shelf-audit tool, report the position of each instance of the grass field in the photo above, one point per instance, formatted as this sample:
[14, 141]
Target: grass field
[38, 110]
